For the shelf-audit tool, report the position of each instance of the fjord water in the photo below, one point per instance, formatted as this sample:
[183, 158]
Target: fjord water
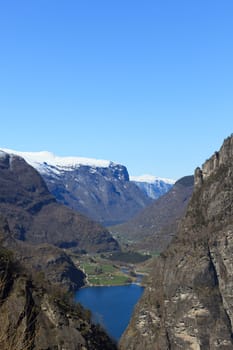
[111, 306]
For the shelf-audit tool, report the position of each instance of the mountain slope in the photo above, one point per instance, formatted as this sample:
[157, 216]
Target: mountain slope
[36, 315]
[35, 216]
[154, 187]
[99, 189]
[154, 227]
[189, 302]
[43, 259]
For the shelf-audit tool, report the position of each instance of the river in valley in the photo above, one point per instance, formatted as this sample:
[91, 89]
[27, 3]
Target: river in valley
[111, 306]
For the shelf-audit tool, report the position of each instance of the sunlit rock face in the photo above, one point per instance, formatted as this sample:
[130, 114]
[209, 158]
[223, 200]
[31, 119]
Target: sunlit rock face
[189, 302]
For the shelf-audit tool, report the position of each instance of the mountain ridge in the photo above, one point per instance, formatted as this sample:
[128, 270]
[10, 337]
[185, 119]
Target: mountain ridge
[154, 226]
[188, 304]
[153, 186]
[35, 216]
[99, 189]
[42, 157]
[36, 314]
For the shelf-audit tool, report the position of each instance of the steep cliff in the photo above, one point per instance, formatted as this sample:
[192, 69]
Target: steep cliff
[36, 315]
[189, 302]
[153, 186]
[104, 194]
[44, 259]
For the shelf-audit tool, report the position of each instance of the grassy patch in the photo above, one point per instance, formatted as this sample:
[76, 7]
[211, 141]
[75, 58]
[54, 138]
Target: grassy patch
[107, 280]
[98, 268]
[104, 274]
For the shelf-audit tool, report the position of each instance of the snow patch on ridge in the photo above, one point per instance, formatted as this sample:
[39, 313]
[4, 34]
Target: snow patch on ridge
[153, 186]
[48, 163]
[3, 154]
[40, 160]
[151, 179]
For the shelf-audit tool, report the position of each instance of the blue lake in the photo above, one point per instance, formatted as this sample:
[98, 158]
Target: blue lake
[111, 307]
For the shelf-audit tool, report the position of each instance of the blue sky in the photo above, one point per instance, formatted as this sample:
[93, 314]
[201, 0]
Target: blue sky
[147, 83]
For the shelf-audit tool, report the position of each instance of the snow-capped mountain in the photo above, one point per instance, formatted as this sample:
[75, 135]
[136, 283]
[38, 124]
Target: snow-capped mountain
[153, 186]
[34, 215]
[45, 161]
[100, 189]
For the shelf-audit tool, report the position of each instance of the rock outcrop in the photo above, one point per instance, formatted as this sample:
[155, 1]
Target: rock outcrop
[36, 312]
[35, 216]
[43, 259]
[188, 304]
[36, 315]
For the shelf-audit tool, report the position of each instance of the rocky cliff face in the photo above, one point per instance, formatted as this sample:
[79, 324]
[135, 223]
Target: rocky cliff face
[35, 216]
[35, 310]
[152, 186]
[36, 315]
[43, 259]
[189, 302]
[104, 194]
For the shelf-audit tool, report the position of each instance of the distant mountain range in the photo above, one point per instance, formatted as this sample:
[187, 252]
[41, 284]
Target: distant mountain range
[35, 270]
[35, 216]
[99, 189]
[154, 187]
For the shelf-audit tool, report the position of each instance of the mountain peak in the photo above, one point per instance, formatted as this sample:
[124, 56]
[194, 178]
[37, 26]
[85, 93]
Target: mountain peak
[151, 179]
[37, 159]
[220, 158]
[99, 189]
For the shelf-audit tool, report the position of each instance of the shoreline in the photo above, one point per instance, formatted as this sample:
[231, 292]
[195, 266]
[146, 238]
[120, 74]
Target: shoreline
[113, 285]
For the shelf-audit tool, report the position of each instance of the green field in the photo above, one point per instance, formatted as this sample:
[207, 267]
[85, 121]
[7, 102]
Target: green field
[104, 274]
[106, 280]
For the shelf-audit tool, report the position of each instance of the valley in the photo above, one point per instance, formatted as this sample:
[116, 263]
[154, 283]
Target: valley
[49, 250]
[63, 250]
[116, 175]
[99, 189]
[109, 270]
[111, 306]
[54, 241]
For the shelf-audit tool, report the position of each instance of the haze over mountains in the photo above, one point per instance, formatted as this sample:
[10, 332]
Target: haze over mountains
[100, 189]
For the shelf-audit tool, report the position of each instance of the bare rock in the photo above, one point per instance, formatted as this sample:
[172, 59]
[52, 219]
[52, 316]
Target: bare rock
[189, 302]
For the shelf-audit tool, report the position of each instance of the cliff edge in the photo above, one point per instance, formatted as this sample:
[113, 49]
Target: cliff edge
[189, 303]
